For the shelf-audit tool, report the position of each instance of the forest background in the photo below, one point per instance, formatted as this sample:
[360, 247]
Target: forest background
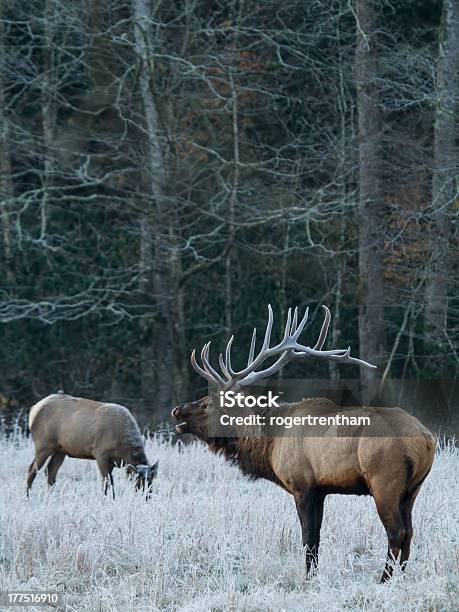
[169, 168]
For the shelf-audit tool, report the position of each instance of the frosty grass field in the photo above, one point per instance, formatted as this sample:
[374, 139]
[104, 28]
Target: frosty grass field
[211, 540]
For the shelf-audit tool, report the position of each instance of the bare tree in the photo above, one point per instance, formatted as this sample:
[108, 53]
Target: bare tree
[444, 179]
[158, 249]
[371, 206]
[6, 174]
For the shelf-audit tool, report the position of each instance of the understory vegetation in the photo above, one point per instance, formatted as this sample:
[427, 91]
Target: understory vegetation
[210, 540]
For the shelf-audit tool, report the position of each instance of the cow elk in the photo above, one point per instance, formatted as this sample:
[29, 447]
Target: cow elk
[62, 426]
[389, 467]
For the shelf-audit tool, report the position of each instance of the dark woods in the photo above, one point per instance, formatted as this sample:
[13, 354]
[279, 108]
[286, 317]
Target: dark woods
[166, 169]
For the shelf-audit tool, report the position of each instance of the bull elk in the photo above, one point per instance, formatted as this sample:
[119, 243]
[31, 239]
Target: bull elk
[390, 468]
[62, 426]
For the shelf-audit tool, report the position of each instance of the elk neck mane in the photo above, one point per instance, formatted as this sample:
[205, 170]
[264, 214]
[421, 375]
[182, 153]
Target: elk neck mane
[251, 455]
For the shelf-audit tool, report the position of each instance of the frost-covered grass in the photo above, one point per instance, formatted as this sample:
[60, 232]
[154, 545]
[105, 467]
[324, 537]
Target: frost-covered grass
[211, 540]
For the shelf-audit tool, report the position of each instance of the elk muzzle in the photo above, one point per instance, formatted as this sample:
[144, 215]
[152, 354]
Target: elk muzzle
[177, 416]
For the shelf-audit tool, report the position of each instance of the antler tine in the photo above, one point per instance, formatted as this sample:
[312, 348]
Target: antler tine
[303, 322]
[294, 322]
[205, 360]
[223, 367]
[269, 327]
[195, 365]
[203, 355]
[288, 324]
[324, 330]
[252, 346]
[346, 358]
[228, 357]
[200, 371]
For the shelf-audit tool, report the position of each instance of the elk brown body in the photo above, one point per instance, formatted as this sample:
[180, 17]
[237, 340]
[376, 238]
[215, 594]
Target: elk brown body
[389, 463]
[62, 426]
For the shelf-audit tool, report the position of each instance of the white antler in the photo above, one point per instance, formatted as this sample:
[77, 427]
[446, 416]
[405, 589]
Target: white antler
[288, 349]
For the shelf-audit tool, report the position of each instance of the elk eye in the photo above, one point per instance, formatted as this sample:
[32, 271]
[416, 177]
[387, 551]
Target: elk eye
[205, 407]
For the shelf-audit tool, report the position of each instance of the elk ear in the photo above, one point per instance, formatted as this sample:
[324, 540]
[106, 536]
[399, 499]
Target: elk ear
[131, 470]
[154, 470]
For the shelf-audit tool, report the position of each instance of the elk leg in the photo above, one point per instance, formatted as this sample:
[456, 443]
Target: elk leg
[106, 465]
[39, 461]
[389, 510]
[53, 467]
[31, 473]
[310, 508]
[396, 536]
[406, 509]
[112, 484]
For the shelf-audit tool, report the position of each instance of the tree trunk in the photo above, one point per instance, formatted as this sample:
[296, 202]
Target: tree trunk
[282, 286]
[232, 207]
[371, 223]
[445, 171]
[147, 353]
[6, 180]
[157, 228]
[48, 113]
[342, 114]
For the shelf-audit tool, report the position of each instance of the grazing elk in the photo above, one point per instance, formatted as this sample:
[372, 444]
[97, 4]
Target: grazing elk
[391, 466]
[62, 426]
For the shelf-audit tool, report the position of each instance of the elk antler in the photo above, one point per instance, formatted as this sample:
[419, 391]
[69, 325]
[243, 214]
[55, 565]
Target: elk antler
[288, 348]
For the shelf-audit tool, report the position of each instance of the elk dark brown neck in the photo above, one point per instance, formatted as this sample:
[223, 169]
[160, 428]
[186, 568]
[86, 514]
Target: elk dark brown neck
[251, 455]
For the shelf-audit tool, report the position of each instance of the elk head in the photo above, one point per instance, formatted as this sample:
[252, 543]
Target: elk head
[144, 476]
[193, 416]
